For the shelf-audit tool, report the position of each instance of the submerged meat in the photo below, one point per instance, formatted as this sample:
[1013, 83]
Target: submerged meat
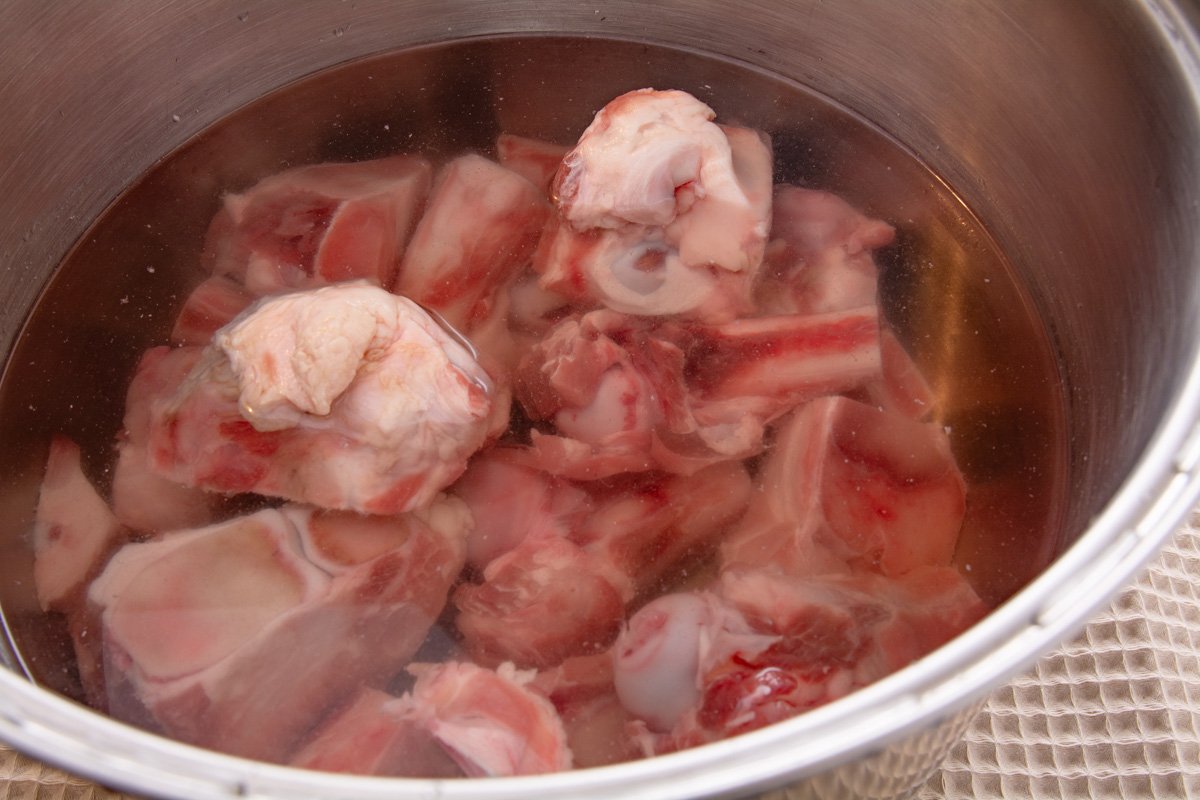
[344, 397]
[563, 592]
[850, 485]
[458, 720]
[656, 159]
[699, 261]
[535, 160]
[241, 635]
[319, 224]
[73, 530]
[482, 225]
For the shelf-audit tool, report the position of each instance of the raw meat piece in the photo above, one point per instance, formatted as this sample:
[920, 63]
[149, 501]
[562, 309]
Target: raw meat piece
[668, 646]
[597, 725]
[345, 397]
[211, 306]
[901, 388]
[556, 596]
[820, 256]
[240, 636]
[656, 159]
[512, 502]
[533, 159]
[319, 224]
[73, 530]
[480, 229]
[142, 498]
[788, 357]
[700, 667]
[847, 484]
[647, 528]
[628, 395]
[370, 737]
[539, 603]
[488, 721]
[682, 269]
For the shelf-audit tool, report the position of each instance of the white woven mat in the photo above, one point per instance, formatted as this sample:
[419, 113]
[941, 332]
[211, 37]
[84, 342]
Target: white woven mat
[1113, 714]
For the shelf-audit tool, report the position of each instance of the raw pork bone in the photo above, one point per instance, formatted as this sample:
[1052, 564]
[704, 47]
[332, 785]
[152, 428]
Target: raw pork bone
[704, 666]
[319, 224]
[142, 498]
[459, 719]
[533, 159]
[552, 597]
[344, 397]
[239, 636]
[819, 262]
[597, 725]
[686, 268]
[627, 394]
[480, 229]
[74, 532]
[820, 257]
[512, 502]
[848, 485]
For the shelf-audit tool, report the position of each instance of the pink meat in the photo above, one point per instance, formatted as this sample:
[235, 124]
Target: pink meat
[488, 721]
[73, 530]
[345, 397]
[700, 667]
[511, 502]
[847, 484]
[480, 229]
[901, 388]
[240, 636]
[647, 528]
[319, 224]
[211, 306]
[555, 596]
[539, 603]
[683, 269]
[370, 737]
[143, 499]
[820, 258]
[597, 725]
[533, 159]
[655, 159]
[787, 357]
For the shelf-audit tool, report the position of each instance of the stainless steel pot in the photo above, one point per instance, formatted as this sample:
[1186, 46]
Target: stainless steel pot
[1072, 128]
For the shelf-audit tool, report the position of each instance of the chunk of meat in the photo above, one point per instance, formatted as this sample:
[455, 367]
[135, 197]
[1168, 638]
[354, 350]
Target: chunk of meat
[73, 530]
[211, 306]
[629, 395]
[682, 269]
[820, 259]
[488, 721]
[319, 224]
[700, 667]
[240, 636]
[512, 502]
[848, 485]
[901, 388]
[344, 397]
[788, 357]
[143, 499]
[564, 593]
[534, 160]
[539, 603]
[481, 227]
[371, 737]
[656, 159]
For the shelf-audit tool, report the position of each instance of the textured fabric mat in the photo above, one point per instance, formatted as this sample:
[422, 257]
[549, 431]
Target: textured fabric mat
[1113, 714]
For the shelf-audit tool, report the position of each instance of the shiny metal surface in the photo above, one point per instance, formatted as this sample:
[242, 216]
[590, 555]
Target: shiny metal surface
[1072, 129]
